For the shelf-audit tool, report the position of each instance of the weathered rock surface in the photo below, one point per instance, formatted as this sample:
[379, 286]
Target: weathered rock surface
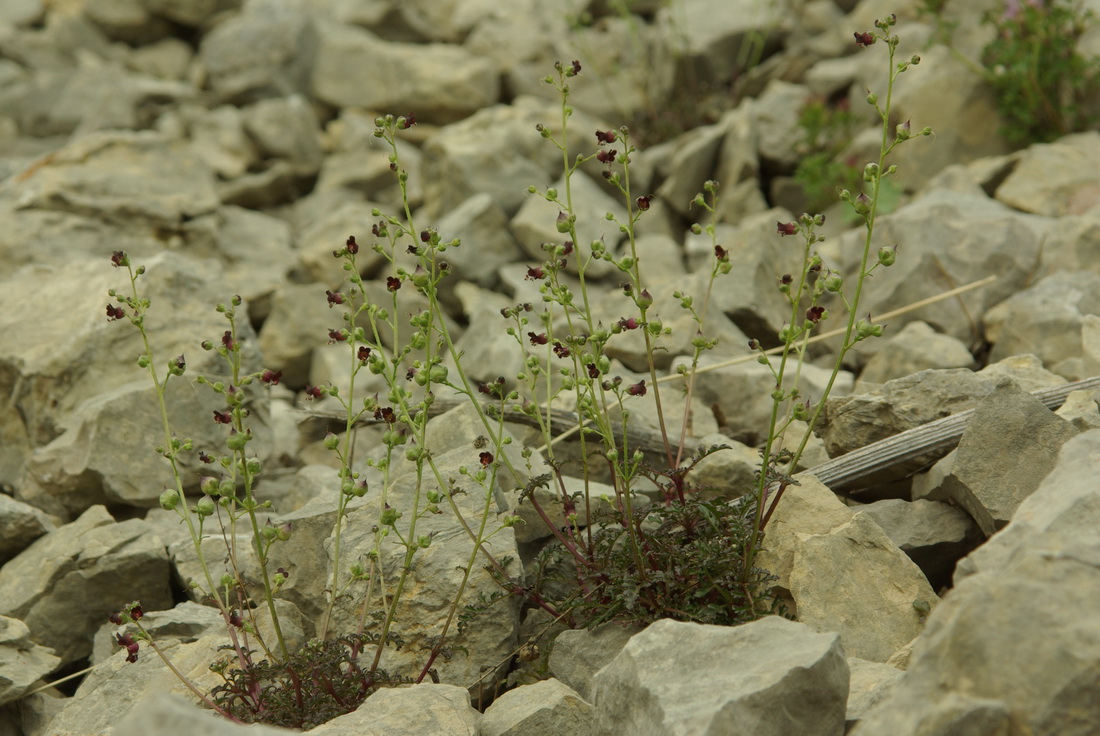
[773, 677]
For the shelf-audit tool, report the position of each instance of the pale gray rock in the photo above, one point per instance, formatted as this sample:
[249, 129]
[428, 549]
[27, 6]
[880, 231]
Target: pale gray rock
[126, 20]
[1072, 244]
[775, 116]
[22, 12]
[497, 150]
[579, 654]
[218, 137]
[739, 394]
[419, 709]
[66, 357]
[439, 83]
[264, 52]
[870, 682]
[547, 708]
[850, 422]
[536, 224]
[934, 534]
[299, 322]
[22, 661]
[916, 347]
[487, 350]
[1045, 319]
[170, 715]
[727, 473]
[316, 242]
[694, 162]
[20, 524]
[960, 234]
[286, 128]
[943, 92]
[1058, 178]
[487, 242]
[169, 58]
[739, 193]
[629, 346]
[982, 660]
[98, 95]
[192, 13]
[773, 676]
[257, 253]
[135, 178]
[1009, 446]
[853, 580]
[749, 294]
[707, 41]
[62, 585]
[1081, 410]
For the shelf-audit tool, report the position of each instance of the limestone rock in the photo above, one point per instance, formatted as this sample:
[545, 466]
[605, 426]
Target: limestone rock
[778, 678]
[22, 661]
[547, 708]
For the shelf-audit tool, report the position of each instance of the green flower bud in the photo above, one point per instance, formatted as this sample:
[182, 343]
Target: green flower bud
[169, 500]
[205, 506]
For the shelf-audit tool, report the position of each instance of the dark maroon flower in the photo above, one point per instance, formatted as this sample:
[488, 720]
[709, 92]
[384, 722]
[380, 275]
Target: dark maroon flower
[567, 247]
[127, 642]
[593, 371]
[535, 273]
[336, 336]
[786, 279]
[271, 378]
[228, 342]
[605, 136]
[576, 67]
[205, 457]
[114, 313]
[636, 389]
[425, 236]
[282, 571]
[119, 259]
[643, 203]
[407, 121]
[628, 323]
[314, 392]
[235, 618]
[607, 157]
[378, 229]
[351, 246]
[815, 313]
[866, 38]
[786, 228]
[753, 345]
[385, 414]
[393, 283]
[721, 253]
[539, 339]
[561, 350]
[486, 458]
[363, 354]
[136, 613]
[115, 618]
[334, 298]
[223, 417]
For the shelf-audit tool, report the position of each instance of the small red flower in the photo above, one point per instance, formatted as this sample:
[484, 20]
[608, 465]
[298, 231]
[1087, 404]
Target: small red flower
[721, 253]
[363, 354]
[385, 414]
[787, 228]
[393, 283]
[607, 157]
[866, 38]
[114, 313]
[271, 378]
[334, 298]
[336, 336]
[814, 314]
[535, 273]
[539, 339]
[486, 459]
[628, 323]
[119, 259]
[636, 389]
[605, 136]
[223, 417]
[314, 392]
[228, 342]
[127, 642]
[561, 350]
[643, 203]
[351, 246]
